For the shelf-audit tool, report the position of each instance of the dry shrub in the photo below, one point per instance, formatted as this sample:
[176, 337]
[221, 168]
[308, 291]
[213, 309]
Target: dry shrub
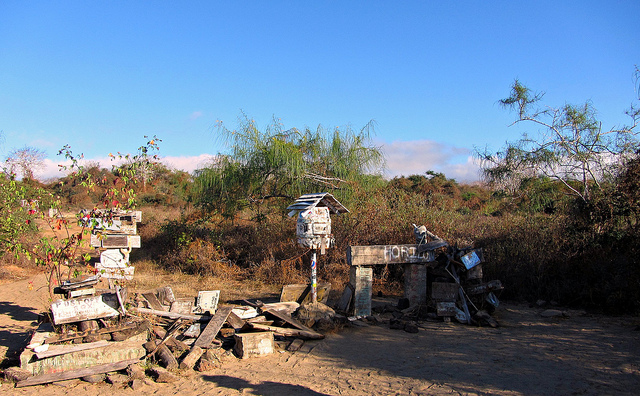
[570, 257]
[202, 257]
[285, 271]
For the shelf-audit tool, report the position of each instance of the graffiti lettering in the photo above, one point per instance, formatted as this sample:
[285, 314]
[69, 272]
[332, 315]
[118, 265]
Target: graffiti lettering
[406, 254]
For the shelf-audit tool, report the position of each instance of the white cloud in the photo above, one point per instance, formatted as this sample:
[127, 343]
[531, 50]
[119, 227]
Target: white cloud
[188, 164]
[52, 169]
[403, 158]
[195, 115]
[418, 156]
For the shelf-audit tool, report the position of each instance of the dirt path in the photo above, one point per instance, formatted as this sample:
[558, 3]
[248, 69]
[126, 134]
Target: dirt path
[528, 355]
[20, 304]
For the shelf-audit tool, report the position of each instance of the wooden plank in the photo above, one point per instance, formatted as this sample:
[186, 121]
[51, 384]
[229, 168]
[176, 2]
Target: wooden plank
[56, 350]
[153, 301]
[282, 331]
[235, 321]
[71, 374]
[444, 291]
[209, 333]
[295, 345]
[81, 292]
[286, 306]
[85, 308]
[68, 286]
[287, 318]
[301, 293]
[171, 315]
[388, 254]
[345, 299]
[192, 357]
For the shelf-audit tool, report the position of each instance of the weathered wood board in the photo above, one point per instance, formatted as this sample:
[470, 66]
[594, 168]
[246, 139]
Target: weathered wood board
[235, 321]
[115, 241]
[213, 327]
[415, 283]
[444, 291]
[153, 301]
[112, 352]
[345, 299]
[71, 374]
[361, 278]
[287, 318]
[171, 315]
[287, 332]
[85, 308]
[81, 292]
[388, 254]
[55, 350]
[182, 306]
[254, 344]
[300, 293]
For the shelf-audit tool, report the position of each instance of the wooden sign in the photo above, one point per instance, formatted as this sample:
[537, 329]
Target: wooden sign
[207, 301]
[125, 273]
[115, 241]
[85, 308]
[361, 278]
[388, 254]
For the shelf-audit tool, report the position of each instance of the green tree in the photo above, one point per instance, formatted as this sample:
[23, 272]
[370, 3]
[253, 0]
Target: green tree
[277, 163]
[572, 148]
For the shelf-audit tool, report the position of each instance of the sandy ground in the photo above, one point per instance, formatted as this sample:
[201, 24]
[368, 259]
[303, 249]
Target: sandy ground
[528, 355]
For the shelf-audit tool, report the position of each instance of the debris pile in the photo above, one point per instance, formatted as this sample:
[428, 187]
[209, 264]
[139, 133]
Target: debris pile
[117, 332]
[455, 285]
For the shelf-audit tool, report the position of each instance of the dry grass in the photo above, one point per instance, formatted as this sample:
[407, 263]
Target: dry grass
[149, 276]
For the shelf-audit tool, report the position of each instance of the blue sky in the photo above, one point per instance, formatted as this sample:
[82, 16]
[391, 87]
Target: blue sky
[100, 75]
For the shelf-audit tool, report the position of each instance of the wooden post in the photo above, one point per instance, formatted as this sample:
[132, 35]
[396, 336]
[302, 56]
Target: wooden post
[361, 278]
[415, 283]
[314, 278]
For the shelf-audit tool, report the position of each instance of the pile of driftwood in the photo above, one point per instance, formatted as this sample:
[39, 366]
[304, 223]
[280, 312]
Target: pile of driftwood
[126, 338]
[455, 285]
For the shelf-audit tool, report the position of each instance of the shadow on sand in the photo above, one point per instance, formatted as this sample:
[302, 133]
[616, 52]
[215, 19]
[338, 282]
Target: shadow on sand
[264, 388]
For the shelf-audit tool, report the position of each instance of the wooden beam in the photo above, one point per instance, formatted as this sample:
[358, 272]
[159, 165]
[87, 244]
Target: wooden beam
[287, 318]
[56, 350]
[171, 315]
[153, 301]
[388, 254]
[235, 321]
[282, 331]
[213, 327]
[71, 374]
